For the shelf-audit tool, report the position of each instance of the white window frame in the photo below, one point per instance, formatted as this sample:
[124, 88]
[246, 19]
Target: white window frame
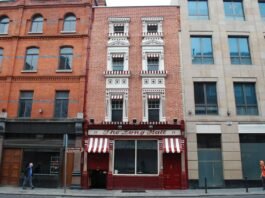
[118, 50]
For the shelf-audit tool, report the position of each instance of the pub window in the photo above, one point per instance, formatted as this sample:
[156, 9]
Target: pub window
[117, 63]
[25, 104]
[152, 28]
[152, 63]
[61, 104]
[153, 110]
[116, 110]
[136, 157]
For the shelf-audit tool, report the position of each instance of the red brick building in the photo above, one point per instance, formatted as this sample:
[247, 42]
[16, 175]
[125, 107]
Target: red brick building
[43, 55]
[135, 136]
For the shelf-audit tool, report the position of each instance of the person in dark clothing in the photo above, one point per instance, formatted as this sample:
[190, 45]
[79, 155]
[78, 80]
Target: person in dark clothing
[262, 175]
[28, 173]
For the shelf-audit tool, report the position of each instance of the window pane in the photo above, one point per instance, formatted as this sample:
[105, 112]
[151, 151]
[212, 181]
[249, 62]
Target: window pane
[198, 9]
[153, 63]
[124, 157]
[61, 104]
[1, 56]
[234, 9]
[25, 104]
[66, 58]
[117, 110]
[31, 61]
[199, 93]
[37, 24]
[244, 50]
[211, 93]
[262, 8]
[153, 110]
[207, 47]
[192, 8]
[4, 23]
[117, 64]
[147, 157]
[203, 8]
[69, 23]
[119, 29]
[250, 94]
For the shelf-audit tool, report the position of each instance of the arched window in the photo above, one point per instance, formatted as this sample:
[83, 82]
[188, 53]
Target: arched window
[31, 60]
[1, 56]
[37, 24]
[66, 58]
[4, 23]
[69, 23]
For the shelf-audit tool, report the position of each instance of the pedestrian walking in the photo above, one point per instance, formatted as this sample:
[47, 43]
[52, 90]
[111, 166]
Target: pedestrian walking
[28, 173]
[262, 175]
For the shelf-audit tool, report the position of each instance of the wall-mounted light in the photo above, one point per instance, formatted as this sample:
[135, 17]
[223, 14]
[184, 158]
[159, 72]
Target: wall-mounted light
[228, 113]
[190, 112]
[134, 121]
[40, 111]
[91, 120]
[175, 121]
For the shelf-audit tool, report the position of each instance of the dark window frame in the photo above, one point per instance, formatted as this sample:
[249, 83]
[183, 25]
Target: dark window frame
[239, 59]
[152, 28]
[119, 29]
[117, 110]
[37, 24]
[66, 58]
[246, 106]
[202, 58]
[234, 16]
[154, 109]
[61, 104]
[198, 14]
[32, 54]
[4, 25]
[69, 24]
[25, 104]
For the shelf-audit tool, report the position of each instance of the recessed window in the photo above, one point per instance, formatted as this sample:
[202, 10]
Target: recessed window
[152, 28]
[31, 60]
[4, 23]
[201, 50]
[239, 51]
[61, 104]
[118, 29]
[136, 157]
[117, 63]
[205, 98]
[153, 110]
[152, 63]
[69, 23]
[234, 9]
[37, 24]
[246, 100]
[116, 110]
[25, 104]
[198, 9]
[66, 58]
[262, 9]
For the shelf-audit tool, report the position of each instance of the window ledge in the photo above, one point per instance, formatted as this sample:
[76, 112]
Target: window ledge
[111, 73]
[158, 73]
[155, 34]
[29, 71]
[35, 32]
[68, 32]
[64, 71]
[3, 34]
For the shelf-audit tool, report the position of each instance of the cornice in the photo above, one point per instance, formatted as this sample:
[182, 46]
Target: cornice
[43, 37]
[42, 78]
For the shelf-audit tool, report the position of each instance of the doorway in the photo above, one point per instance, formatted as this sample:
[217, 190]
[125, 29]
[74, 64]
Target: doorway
[172, 171]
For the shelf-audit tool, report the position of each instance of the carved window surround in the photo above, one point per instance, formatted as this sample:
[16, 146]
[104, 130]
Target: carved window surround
[152, 21]
[122, 22]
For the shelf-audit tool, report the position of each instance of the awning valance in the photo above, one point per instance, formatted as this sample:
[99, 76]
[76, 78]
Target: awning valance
[173, 145]
[97, 145]
[153, 96]
[116, 97]
[151, 55]
[117, 55]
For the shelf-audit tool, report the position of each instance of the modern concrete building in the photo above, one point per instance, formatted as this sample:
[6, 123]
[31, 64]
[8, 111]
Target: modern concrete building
[222, 60]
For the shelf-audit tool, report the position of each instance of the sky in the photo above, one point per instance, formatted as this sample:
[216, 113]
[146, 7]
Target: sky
[137, 2]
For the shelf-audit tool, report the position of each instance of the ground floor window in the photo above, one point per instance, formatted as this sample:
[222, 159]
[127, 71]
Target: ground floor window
[252, 151]
[44, 162]
[136, 157]
[210, 160]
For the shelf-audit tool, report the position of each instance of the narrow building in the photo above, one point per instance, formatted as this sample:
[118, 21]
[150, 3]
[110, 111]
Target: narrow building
[134, 138]
[43, 54]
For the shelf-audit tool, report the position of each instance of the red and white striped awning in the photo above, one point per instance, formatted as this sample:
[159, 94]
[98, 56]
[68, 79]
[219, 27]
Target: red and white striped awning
[172, 145]
[118, 24]
[117, 55]
[150, 55]
[116, 97]
[153, 96]
[97, 145]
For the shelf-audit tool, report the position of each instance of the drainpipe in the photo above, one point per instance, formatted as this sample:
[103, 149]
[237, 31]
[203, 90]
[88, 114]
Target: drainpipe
[84, 175]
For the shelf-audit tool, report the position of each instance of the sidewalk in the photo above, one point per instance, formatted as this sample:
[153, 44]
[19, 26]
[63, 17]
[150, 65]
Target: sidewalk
[119, 193]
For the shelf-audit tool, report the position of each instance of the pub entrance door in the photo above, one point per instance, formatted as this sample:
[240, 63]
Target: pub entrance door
[172, 170]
